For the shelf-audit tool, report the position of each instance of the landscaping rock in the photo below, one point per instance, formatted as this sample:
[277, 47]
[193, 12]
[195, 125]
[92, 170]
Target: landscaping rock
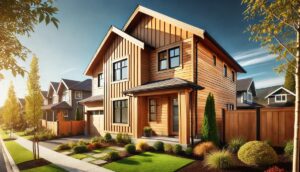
[88, 159]
[99, 162]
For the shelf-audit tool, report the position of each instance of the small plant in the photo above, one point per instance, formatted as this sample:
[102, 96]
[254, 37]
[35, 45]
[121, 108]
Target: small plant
[257, 153]
[203, 148]
[159, 146]
[235, 144]
[91, 146]
[72, 144]
[168, 148]
[126, 139]
[147, 131]
[274, 169]
[119, 138]
[80, 149]
[63, 146]
[107, 137]
[97, 139]
[112, 156]
[82, 143]
[219, 160]
[130, 148]
[189, 151]
[177, 149]
[288, 149]
[142, 146]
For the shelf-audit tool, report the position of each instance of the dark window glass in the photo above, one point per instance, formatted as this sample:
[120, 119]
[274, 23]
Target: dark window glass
[233, 76]
[152, 109]
[120, 111]
[120, 70]
[162, 60]
[174, 57]
[225, 70]
[100, 80]
[215, 60]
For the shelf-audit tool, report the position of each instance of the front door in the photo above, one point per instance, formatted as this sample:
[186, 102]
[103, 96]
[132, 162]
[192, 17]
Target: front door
[174, 116]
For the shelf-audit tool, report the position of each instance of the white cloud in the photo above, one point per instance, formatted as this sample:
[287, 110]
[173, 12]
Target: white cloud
[251, 75]
[250, 53]
[68, 71]
[258, 60]
[269, 82]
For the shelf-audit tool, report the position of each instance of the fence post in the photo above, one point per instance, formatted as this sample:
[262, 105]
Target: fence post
[257, 123]
[223, 120]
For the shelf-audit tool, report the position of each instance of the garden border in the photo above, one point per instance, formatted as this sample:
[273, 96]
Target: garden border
[8, 157]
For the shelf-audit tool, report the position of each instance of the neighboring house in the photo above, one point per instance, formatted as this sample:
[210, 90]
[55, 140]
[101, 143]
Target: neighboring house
[245, 94]
[281, 97]
[157, 71]
[64, 97]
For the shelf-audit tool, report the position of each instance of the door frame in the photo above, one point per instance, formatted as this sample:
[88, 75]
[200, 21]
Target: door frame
[171, 132]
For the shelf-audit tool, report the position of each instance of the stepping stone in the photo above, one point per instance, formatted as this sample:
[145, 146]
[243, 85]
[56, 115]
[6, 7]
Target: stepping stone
[90, 154]
[66, 153]
[117, 148]
[99, 162]
[100, 155]
[88, 159]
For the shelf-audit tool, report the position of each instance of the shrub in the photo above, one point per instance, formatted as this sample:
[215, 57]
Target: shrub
[147, 131]
[29, 131]
[82, 143]
[159, 146]
[63, 146]
[130, 148]
[119, 138]
[209, 125]
[203, 148]
[275, 169]
[80, 149]
[219, 160]
[72, 144]
[189, 151]
[112, 156]
[97, 139]
[126, 139]
[98, 145]
[177, 149]
[142, 146]
[168, 148]
[257, 153]
[288, 149]
[235, 144]
[91, 146]
[107, 137]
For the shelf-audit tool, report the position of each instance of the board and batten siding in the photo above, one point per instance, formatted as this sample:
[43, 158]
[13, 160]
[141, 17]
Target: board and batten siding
[95, 89]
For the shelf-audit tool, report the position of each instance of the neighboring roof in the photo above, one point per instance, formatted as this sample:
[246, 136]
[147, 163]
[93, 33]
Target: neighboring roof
[92, 99]
[112, 30]
[263, 92]
[280, 88]
[60, 105]
[162, 85]
[22, 101]
[68, 82]
[44, 93]
[243, 84]
[54, 85]
[85, 85]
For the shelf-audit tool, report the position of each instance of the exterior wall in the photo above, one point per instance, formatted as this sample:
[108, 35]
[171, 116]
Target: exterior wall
[290, 99]
[95, 89]
[97, 121]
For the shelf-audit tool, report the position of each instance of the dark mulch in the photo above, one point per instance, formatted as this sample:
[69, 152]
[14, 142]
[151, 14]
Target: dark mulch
[33, 164]
[239, 167]
[9, 139]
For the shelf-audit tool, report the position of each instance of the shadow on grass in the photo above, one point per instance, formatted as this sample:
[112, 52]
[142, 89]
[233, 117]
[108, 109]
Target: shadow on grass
[33, 164]
[9, 139]
[128, 162]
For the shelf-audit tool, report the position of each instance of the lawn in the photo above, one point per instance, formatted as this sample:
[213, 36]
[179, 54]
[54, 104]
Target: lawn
[3, 135]
[149, 162]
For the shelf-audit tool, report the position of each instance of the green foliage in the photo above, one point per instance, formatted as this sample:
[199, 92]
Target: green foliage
[158, 146]
[119, 138]
[209, 125]
[177, 149]
[82, 142]
[168, 148]
[64, 146]
[72, 144]
[107, 137]
[112, 156]
[130, 148]
[235, 144]
[257, 153]
[288, 149]
[80, 149]
[189, 151]
[97, 139]
[142, 146]
[126, 139]
[219, 160]
[289, 80]
[147, 131]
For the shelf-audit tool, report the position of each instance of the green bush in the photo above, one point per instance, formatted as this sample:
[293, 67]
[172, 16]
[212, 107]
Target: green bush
[235, 144]
[177, 149]
[159, 146]
[63, 146]
[72, 144]
[219, 160]
[97, 139]
[107, 137]
[126, 139]
[119, 138]
[80, 149]
[112, 156]
[130, 148]
[189, 151]
[257, 153]
[288, 149]
[147, 131]
[209, 125]
[168, 148]
[82, 143]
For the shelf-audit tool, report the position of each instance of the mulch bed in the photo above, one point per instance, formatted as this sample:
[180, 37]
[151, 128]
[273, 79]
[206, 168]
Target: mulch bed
[33, 163]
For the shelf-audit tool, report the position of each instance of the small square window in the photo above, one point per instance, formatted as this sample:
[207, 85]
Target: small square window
[215, 60]
[225, 70]
[78, 95]
[162, 60]
[174, 57]
[100, 80]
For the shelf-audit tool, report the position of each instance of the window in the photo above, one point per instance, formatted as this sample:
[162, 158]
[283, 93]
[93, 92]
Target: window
[97, 112]
[230, 106]
[174, 57]
[100, 80]
[233, 76]
[78, 95]
[152, 109]
[249, 97]
[162, 60]
[215, 60]
[65, 96]
[280, 98]
[120, 111]
[65, 114]
[120, 70]
[225, 70]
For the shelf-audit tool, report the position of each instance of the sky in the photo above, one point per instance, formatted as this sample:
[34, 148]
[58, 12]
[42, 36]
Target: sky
[65, 52]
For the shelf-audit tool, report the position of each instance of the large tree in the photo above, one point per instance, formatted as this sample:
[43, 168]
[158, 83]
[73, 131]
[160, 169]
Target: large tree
[34, 103]
[289, 80]
[276, 25]
[18, 18]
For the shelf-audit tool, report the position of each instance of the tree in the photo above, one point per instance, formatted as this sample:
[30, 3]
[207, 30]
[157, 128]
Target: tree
[289, 81]
[11, 110]
[18, 18]
[209, 125]
[276, 25]
[34, 103]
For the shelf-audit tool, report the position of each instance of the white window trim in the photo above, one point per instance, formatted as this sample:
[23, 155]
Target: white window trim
[281, 95]
[80, 97]
[112, 69]
[98, 81]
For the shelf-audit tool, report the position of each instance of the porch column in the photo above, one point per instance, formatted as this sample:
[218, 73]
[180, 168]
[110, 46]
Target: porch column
[184, 117]
[135, 117]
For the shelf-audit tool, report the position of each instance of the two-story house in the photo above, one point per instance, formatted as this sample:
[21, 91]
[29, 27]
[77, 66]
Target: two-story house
[64, 97]
[245, 94]
[158, 71]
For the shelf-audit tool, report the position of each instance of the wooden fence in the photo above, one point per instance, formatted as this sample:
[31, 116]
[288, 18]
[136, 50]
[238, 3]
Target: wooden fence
[272, 124]
[64, 128]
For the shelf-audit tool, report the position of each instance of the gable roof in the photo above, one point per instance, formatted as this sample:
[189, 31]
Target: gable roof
[112, 30]
[85, 85]
[243, 84]
[44, 93]
[54, 86]
[285, 89]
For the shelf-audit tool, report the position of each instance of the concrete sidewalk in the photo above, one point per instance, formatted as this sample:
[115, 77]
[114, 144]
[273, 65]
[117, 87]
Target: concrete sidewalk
[63, 161]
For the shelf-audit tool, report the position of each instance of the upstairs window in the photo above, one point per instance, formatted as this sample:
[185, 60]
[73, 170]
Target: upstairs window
[78, 95]
[174, 57]
[100, 80]
[225, 71]
[65, 96]
[120, 70]
[215, 60]
[152, 109]
[162, 60]
[169, 59]
[120, 112]
[280, 98]
[233, 76]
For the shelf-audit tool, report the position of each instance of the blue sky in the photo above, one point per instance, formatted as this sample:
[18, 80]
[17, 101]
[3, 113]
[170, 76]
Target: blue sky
[65, 52]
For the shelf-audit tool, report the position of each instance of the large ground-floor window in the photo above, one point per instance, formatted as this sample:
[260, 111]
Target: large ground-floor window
[120, 111]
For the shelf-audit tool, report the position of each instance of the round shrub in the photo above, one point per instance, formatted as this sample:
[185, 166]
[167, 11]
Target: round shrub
[159, 146]
[177, 149]
[91, 146]
[126, 139]
[130, 148]
[97, 139]
[288, 149]
[107, 137]
[119, 138]
[112, 156]
[63, 146]
[80, 149]
[82, 143]
[235, 144]
[168, 148]
[257, 153]
[142, 146]
[189, 151]
[219, 160]
[203, 148]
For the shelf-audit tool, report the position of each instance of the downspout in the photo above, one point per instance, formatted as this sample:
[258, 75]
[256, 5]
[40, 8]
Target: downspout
[195, 91]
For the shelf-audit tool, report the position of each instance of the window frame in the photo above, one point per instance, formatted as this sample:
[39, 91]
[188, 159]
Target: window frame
[225, 71]
[214, 60]
[175, 56]
[233, 76]
[121, 111]
[75, 95]
[164, 59]
[121, 67]
[99, 80]
[149, 110]
[280, 95]
[167, 50]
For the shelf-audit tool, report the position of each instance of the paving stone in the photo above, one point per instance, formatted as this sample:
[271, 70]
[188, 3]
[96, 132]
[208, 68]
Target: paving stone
[117, 148]
[99, 162]
[89, 153]
[99, 155]
[66, 153]
[88, 159]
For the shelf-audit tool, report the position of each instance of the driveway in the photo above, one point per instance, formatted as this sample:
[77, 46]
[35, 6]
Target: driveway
[51, 144]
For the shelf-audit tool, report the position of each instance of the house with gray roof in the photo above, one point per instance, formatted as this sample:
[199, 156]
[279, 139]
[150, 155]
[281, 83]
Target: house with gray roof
[246, 92]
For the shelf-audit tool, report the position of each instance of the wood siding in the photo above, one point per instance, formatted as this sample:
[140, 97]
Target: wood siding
[95, 89]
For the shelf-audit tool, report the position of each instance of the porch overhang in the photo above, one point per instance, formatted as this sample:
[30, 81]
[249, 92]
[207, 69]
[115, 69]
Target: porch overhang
[60, 105]
[92, 99]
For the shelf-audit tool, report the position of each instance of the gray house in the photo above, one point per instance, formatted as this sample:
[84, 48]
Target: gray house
[280, 97]
[245, 94]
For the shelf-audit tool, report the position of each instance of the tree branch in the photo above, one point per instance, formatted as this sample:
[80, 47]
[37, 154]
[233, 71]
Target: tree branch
[284, 46]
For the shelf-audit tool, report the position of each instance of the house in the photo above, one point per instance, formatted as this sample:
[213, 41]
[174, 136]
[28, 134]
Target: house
[64, 96]
[245, 94]
[280, 97]
[157, 71]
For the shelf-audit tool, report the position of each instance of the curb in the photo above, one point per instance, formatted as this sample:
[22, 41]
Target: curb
[11, 163]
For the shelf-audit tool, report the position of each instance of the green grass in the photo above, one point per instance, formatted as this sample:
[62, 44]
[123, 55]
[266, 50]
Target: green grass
[3, 135]
[79, 156]
[149, 162]
[46, 168]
